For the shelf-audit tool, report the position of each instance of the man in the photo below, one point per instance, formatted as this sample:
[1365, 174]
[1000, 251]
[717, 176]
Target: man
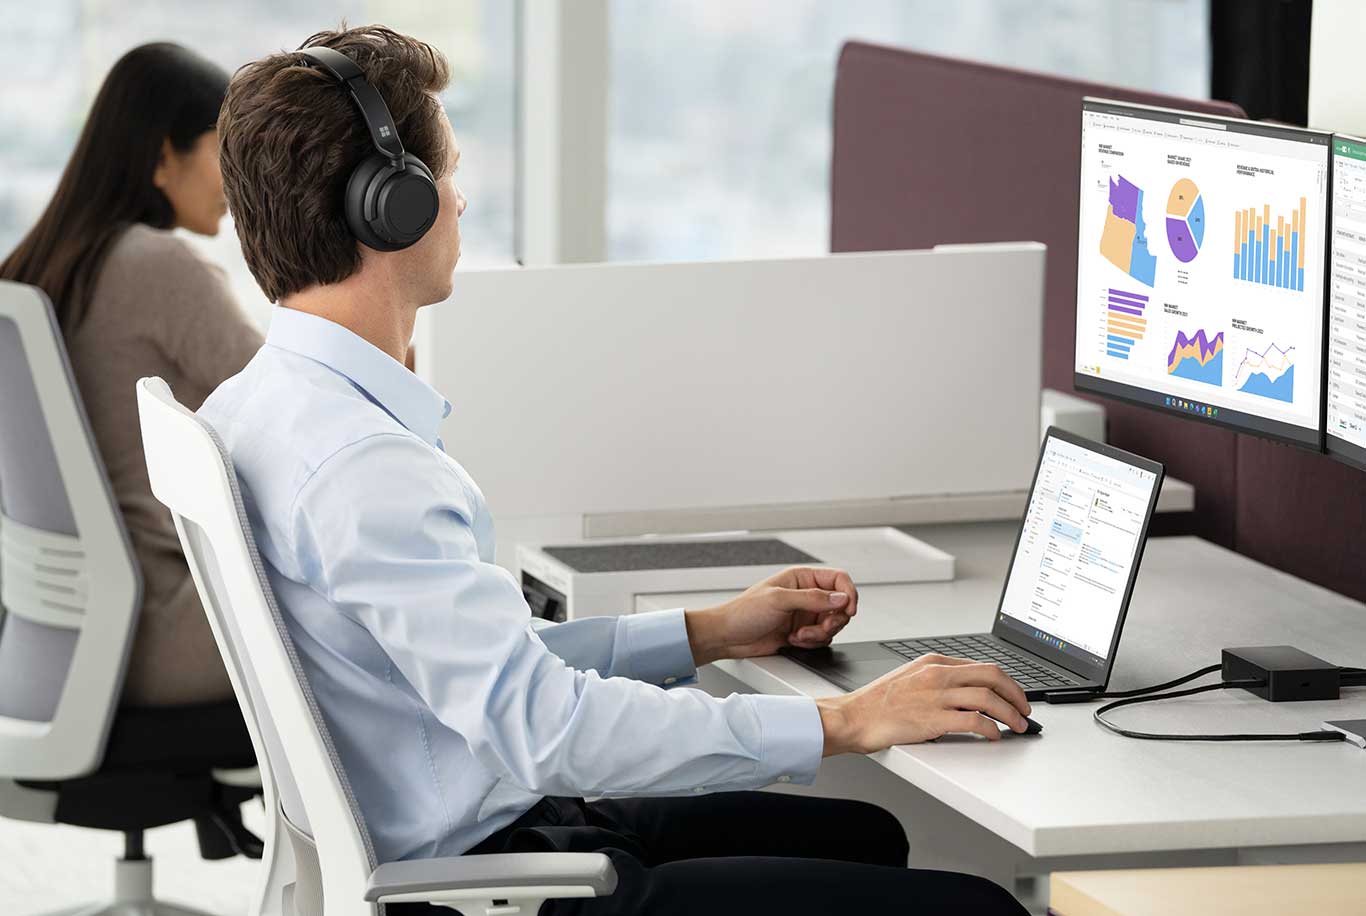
[461, 726]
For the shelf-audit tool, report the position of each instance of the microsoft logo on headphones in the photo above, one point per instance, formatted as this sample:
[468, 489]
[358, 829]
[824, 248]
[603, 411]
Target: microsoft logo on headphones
[384, 131]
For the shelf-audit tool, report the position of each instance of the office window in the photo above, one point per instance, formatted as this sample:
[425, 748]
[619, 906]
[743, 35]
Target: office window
[719, 136]
[58, 52]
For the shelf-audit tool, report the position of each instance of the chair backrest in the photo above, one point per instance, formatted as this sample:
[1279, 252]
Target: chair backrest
[192, 474]
[69, 584]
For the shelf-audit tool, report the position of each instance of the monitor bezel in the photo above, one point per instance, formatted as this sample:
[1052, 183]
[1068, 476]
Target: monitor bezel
[1336, 447]
[1306, 438]
[1001, 630]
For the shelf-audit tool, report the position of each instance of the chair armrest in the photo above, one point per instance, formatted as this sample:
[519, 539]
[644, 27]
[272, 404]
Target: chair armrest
[238, 779]
[590, 874]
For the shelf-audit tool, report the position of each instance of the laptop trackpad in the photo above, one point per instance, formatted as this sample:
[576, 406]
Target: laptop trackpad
[853, 675]
[852, 667]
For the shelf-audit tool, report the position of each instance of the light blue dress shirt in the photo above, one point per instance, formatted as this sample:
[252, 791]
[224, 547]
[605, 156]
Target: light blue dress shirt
[452, 710]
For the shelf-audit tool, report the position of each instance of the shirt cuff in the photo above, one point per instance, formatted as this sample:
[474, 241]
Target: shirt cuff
[792, 739]
[658, 651]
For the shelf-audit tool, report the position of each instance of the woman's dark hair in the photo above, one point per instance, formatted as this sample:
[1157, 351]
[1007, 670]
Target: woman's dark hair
[156, 92]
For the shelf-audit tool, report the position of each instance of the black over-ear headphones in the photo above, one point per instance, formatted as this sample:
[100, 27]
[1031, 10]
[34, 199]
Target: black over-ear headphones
[391, 197]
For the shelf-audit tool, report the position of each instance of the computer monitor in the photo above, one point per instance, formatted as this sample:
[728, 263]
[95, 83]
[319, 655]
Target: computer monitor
[1346, 375]
[1201, 264]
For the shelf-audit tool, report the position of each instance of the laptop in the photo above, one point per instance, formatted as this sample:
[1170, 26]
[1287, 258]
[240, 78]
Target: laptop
[1067, 590]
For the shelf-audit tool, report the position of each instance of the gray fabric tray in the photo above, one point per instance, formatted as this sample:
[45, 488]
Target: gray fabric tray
[679, 555]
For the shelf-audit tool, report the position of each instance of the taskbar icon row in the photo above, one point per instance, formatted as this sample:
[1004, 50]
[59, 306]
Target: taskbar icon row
[1203, 410]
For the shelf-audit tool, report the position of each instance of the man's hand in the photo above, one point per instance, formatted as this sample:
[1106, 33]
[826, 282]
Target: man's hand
[920, 701]
[800, 607]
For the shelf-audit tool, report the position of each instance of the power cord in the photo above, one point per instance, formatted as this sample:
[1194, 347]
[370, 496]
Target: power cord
[1099, 715]
[1059, 697]
[1350, 677]
[1154, 688]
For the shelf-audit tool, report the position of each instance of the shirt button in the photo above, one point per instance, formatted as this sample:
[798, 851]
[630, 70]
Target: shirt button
[784, 779]
[670, 680]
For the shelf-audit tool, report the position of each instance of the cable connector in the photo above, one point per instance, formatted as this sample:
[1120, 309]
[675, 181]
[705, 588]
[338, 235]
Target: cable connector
[1352, 677]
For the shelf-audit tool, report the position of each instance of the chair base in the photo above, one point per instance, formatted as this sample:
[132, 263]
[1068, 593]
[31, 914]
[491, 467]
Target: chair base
[146, 908]
[132, 894]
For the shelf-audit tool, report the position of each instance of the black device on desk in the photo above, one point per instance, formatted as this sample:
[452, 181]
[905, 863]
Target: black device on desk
[1067, 591]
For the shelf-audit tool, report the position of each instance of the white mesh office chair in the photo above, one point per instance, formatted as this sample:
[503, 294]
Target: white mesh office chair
[69, 598]
[336, 873]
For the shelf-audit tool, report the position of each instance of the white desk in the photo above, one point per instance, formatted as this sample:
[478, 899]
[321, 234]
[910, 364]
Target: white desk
[1080, 797]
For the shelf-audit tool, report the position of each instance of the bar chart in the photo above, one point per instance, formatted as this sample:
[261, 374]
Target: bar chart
[1271, 256]
[1124, 323]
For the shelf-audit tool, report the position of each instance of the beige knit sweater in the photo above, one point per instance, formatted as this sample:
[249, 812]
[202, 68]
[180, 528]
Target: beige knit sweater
[158, 309]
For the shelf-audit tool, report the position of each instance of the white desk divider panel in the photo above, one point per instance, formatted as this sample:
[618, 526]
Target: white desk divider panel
[850, 389]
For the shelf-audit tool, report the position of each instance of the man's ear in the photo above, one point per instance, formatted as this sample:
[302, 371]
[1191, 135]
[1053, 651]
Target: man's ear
[160, 175]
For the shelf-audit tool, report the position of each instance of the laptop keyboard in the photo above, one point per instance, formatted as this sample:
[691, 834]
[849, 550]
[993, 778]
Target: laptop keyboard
[982, 649]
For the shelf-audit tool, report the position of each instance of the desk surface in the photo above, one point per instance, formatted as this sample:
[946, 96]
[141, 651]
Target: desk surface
[1079, 790]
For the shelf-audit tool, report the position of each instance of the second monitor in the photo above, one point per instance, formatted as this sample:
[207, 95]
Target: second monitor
[1346, 370]
[1200, 276]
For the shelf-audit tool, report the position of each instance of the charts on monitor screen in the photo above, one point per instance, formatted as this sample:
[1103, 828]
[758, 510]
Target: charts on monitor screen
[1346, 417]
[1200, 275]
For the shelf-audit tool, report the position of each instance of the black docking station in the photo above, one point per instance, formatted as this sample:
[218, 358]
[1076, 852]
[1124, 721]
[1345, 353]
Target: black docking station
[1282, 673]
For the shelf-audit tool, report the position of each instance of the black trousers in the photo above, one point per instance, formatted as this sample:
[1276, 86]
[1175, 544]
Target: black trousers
[741, 853]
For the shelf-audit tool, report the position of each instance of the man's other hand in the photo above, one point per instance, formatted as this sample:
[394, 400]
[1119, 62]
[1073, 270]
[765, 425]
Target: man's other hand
[803, 607]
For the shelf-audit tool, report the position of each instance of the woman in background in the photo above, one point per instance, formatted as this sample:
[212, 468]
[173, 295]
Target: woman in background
[133, 299]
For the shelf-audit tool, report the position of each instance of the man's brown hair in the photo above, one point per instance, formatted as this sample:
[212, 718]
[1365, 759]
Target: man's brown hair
[289, 136]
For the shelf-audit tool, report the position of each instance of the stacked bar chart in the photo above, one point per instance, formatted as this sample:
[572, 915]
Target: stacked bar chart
[1124, 324]
[1271, 256]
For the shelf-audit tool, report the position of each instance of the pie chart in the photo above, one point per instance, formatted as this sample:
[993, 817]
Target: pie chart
[1185, 220]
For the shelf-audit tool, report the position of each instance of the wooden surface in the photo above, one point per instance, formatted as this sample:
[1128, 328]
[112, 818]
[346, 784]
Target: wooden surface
[1273, 890]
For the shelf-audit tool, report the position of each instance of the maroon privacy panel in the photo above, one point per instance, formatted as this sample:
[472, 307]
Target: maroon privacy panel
[930, 150]
[1303, 513]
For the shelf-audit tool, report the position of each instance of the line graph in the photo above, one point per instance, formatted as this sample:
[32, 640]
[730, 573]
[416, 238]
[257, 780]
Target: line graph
[1269, 374]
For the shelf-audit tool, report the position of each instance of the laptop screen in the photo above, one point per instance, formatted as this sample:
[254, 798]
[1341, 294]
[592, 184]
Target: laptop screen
[1078, 552]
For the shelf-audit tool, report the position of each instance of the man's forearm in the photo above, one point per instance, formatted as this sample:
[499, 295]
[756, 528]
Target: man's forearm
[705, 637]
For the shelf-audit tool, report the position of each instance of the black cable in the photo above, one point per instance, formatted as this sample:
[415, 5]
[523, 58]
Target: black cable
[1352, 677]
[1099, 716]
[1168, 685]
[1059, 697]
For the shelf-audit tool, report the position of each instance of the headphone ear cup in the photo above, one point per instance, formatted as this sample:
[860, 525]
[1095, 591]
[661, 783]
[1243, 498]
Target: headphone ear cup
[408, 202]
[387, 209]
[363, 186]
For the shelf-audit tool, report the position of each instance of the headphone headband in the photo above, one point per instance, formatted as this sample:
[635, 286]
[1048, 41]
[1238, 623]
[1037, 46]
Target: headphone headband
[391, 197]
[372, 108]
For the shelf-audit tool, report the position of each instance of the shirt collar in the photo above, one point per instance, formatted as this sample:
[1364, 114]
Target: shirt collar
[404, 396]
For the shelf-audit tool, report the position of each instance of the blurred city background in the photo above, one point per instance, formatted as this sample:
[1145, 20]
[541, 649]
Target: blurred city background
[718, 138]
